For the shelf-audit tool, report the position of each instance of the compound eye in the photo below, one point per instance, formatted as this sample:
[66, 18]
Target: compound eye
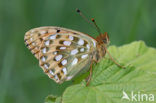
[105, 41]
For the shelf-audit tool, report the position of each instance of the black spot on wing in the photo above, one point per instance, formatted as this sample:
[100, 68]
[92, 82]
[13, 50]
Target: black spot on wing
[57, 31]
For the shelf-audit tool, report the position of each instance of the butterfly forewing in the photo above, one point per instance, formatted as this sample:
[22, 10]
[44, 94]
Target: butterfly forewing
[33, 39]
[62, 52]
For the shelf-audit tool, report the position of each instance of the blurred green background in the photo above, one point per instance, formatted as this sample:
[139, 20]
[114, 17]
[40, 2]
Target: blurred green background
[21, 79]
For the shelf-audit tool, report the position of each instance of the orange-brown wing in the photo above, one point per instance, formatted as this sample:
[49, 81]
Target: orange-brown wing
[62, 53]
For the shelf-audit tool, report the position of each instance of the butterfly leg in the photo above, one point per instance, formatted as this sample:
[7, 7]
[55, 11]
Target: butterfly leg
[114, 60]
[90, 73]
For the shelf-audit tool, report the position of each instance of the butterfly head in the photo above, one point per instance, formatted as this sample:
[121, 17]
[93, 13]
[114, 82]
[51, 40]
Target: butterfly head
[103, 39]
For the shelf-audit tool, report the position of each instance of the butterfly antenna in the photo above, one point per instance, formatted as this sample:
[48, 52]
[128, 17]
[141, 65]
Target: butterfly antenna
[93, 23]
[97, 28]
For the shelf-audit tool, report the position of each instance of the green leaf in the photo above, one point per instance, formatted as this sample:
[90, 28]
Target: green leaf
[52, 99]
[109, 82]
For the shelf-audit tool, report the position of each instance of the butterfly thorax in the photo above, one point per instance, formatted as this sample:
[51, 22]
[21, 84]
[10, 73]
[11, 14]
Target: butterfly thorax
[99, 53]
[102, 42]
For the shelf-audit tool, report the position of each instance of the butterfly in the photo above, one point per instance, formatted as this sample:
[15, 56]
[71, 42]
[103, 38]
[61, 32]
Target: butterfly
[64, 53]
